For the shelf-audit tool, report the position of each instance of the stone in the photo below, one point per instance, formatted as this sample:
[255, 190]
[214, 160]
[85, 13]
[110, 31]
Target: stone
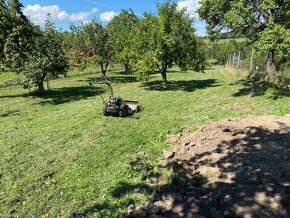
[168, 154]
[178, 197]
[155, 197]
[172, 140]
[168, 198]
[163, 206]
[138, 209]
[164, 163]
[130, 209]
[152, 180]
[151, 208]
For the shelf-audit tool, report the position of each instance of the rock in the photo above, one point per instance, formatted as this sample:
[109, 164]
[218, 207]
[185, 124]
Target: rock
[163, 206]
[168, 198]
[172, 140]
[139, 209]
[164, 163]
[152, 180]
[168, 154]
[151, 208]
[130, 209]
[178, 197]
[155, 197]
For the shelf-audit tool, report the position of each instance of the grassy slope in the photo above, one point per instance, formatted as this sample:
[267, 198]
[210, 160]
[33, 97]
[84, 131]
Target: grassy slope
[60, 156]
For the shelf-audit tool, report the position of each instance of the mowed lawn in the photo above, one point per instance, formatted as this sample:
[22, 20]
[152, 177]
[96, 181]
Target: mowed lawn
[61, 157]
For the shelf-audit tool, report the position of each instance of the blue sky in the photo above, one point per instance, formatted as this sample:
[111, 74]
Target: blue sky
[65, 12]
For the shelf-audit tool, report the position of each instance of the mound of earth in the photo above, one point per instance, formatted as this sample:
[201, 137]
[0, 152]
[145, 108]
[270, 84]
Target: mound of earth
[232, 168]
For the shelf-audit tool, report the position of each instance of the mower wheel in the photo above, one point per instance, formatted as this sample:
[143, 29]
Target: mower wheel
[124, 111]
[105, 112]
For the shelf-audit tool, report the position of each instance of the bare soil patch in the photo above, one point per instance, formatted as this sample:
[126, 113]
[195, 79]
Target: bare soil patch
[232, 168]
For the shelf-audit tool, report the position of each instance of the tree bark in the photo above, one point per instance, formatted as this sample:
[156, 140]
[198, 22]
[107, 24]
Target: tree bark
[40, 86]
[164, 76]
[47, 83]
[164, 72]
[104, 70]
[271, 68]
[127, 67]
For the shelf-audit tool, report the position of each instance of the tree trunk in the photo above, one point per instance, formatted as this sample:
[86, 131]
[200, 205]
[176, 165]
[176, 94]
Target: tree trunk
[40, 87]
[164, 76]
[47, 83]
[127, 67]
[103, 69]
[271, 69]
[164, 72]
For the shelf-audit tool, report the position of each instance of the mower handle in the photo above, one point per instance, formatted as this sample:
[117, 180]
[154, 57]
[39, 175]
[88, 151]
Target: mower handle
[101, 83]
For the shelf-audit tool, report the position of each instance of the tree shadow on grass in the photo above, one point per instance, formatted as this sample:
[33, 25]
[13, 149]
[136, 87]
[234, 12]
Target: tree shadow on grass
[68, 94]
[106, 209]
[181, 85]
[257, 87]
[124, 188]
[62, 95]
[113, 79]
[10, 113]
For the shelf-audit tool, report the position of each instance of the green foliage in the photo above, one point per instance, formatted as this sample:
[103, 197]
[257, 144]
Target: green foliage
[98, 47]
[47, 58]
[16, 33]
[88, 44]
[275, 37]
[121, 33]
[263, 21]
[166, 39]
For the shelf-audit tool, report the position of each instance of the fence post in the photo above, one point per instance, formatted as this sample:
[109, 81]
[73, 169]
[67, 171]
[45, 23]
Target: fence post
[252, 59]
[239, 59]
[234, 57]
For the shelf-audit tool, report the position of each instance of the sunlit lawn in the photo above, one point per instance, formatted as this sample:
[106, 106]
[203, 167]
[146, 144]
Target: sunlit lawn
[61, 156]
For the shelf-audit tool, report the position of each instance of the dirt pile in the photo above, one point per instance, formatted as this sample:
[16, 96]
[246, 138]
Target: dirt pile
[232, 168]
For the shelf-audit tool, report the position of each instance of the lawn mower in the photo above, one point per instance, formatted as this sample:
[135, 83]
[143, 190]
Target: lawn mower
[116, 106]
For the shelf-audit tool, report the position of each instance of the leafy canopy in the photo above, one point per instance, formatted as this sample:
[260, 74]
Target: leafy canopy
[264, 21]
[165, 39]
[47, 58]
[121, 33]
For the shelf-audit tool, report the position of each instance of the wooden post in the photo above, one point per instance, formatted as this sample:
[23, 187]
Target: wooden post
[252, 59]
[234, 57]
[239, 59]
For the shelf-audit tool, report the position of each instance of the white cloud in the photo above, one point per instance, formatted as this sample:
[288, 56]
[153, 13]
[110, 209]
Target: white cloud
[38, 14]
[191, 7]
[108, 16]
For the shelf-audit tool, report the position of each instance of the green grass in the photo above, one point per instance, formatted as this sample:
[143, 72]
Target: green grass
[61, 156]
[9, 78]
